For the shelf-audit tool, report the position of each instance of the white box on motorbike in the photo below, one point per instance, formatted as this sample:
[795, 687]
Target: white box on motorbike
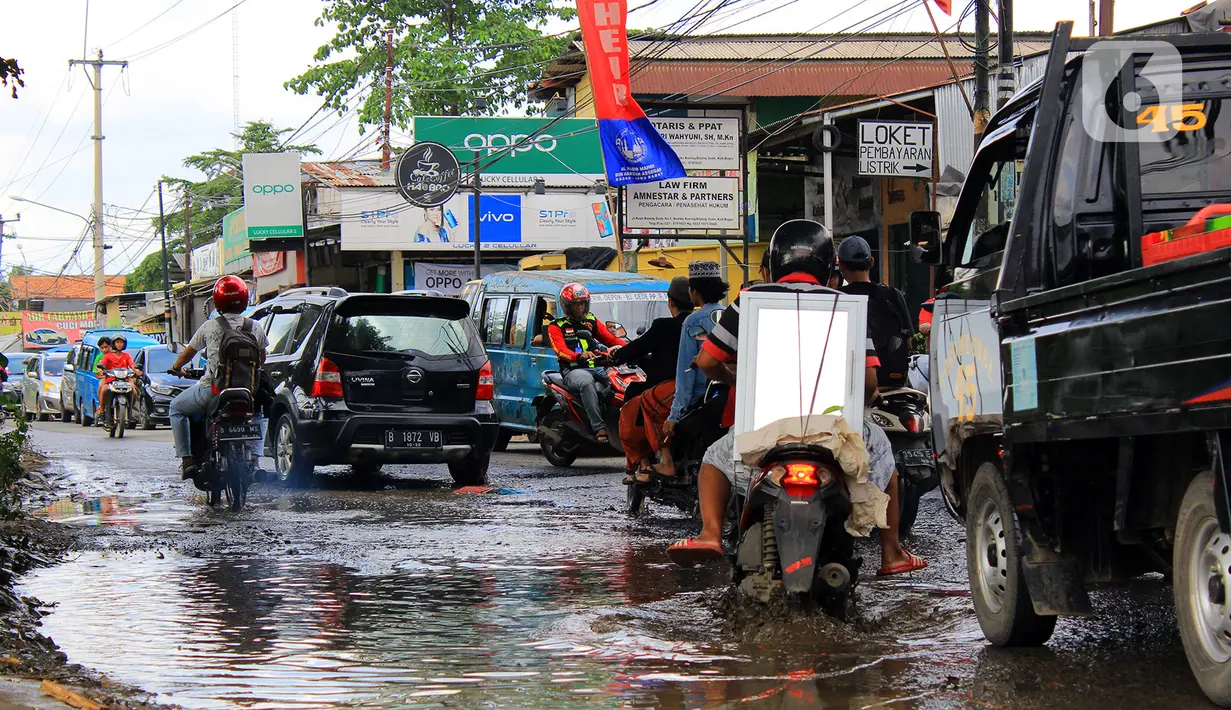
[799, 354]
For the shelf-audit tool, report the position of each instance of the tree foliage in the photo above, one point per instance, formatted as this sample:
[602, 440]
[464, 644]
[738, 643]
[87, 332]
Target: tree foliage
[10, 74]
[448, 54]
[219, 194]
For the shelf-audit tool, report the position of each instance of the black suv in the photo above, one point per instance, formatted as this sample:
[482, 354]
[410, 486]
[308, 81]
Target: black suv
[370, 379]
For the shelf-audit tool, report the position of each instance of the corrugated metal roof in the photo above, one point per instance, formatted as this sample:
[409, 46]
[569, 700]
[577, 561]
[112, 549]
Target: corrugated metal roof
[819, 47]
[839, 78]
[350, 173]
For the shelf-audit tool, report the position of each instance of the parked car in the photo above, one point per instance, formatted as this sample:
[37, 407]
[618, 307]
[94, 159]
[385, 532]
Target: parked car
[85, 389]
[43, 337]
[376, 378]
[68, 383]
[15, 370]
[157, 388]
[40, 395]
[511, 310]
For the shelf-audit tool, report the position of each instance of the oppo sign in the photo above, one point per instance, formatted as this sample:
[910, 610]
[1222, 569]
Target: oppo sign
[496, 142]
[273, 189]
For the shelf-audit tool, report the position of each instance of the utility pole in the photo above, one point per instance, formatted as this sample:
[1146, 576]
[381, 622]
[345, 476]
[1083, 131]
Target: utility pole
[982, 87]
[96, 81]
[1106, 24]
[1093, 19]
[1005, 86]
[187, 312]
[478, 218]
[166, 269]
[3, 222]
[397, 270]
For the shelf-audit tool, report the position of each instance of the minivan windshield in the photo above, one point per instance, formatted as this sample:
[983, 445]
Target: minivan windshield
[421, 335]
[634, 310]
[53, 366]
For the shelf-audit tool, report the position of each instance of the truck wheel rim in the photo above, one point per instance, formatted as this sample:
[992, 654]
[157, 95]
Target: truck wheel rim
[285, 451]
[991, 557]
[1209, 583]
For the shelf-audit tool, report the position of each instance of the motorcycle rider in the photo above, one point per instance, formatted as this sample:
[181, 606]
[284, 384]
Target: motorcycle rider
[889, 323]
[104, 347]
[657, 350]
[230, 300]
[113, 359]
[706, 288]
[801, 259]
[577, 354]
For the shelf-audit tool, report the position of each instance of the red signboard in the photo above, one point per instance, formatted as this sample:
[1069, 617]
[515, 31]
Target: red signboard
[268, 263]
[48, 330]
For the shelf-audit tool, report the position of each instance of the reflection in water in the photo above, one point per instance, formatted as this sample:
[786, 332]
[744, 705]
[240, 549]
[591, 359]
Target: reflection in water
[114, 510]
[630, 631]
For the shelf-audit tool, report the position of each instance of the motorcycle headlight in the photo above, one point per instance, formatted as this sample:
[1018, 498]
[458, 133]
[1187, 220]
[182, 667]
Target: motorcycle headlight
[163, 390]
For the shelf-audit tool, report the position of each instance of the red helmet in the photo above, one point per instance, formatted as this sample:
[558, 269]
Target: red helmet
[230, 294]
[572, 293]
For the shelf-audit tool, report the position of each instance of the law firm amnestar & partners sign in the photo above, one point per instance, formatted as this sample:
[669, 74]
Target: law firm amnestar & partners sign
[273, 206]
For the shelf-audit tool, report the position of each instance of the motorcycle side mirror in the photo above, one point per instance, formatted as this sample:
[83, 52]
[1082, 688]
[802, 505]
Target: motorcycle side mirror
[925, 238]
[616, 329]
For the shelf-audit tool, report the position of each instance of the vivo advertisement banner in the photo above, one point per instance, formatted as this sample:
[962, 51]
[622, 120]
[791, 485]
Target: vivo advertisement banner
[383, 221]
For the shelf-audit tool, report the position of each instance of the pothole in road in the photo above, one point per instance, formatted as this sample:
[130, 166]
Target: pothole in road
[520, 632]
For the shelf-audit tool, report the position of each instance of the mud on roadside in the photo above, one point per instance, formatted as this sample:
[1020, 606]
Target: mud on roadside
[28, 543]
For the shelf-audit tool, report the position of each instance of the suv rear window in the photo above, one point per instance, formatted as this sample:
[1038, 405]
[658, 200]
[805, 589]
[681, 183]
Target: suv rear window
[422, 335]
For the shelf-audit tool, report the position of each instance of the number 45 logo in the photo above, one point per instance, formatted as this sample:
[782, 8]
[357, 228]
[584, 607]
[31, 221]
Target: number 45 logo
[966, 391]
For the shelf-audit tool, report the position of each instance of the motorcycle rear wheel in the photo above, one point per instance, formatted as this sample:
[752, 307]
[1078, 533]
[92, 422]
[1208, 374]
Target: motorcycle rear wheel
[236, 488]
[634, 500]
[556, 456]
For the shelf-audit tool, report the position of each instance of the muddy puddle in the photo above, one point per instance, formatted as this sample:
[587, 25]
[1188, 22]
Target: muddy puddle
[622, 632]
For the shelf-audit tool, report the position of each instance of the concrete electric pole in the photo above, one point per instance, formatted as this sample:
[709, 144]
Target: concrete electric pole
[96, 81]
[397, 269]
[3, 236]
[1105, 17]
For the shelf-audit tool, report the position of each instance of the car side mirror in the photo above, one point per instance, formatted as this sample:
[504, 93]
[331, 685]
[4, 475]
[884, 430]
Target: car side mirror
[616, 329]
[68, 367]
[925, 246]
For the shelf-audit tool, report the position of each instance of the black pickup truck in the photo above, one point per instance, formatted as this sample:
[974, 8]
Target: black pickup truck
[1081, 392]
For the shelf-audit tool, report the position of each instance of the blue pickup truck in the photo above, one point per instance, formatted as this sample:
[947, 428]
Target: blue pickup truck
[85, 385]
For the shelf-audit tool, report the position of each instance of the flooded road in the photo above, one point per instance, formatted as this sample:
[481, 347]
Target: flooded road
[398, 591]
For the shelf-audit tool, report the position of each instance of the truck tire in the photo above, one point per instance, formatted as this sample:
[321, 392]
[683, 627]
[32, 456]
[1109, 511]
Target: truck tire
[1201, 560]
[993, 565]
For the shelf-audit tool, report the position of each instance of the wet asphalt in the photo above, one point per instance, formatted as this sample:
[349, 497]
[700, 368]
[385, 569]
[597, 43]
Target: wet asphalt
[397, 590]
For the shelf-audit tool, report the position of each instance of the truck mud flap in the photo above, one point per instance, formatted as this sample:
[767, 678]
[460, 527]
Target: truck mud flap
[1055, 584]
[798, 526]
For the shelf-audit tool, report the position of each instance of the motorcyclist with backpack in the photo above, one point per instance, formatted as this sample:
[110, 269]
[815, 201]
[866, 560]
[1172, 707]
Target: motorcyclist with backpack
[215, 337]
[889, 323]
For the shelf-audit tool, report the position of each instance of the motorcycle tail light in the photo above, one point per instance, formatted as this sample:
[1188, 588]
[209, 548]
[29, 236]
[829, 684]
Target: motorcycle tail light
[328, 381]
[912, 422]
[800, 478]
[487, 383]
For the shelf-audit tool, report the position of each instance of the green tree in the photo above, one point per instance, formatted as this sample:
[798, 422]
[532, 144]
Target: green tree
[10, 74]
[448, 54]
[220, 193]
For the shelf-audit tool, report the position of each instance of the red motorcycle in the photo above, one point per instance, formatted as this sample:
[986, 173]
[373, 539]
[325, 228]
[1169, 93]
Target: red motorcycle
[564, 430]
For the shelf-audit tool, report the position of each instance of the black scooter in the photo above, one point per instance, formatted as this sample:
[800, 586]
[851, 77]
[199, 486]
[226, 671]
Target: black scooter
[698, 428]
[222, 445]
[792, 538]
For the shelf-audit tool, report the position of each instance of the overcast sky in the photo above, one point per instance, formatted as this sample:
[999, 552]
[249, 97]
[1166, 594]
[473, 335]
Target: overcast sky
[177, 100]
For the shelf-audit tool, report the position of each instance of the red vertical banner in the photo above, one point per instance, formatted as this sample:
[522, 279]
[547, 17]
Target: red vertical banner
[633, 151]
[946, 6]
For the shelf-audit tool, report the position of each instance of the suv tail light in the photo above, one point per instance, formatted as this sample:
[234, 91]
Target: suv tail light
[328, 381]
[487, 383]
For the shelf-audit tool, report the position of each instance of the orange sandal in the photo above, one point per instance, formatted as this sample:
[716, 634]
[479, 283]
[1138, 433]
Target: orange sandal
[913, 563]
[691, 552]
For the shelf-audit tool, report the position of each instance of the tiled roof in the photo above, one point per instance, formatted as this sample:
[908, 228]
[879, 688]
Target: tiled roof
[349, 173]
[61, 287]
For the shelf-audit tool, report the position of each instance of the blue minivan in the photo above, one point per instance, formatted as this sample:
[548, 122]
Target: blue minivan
[512, 308]
[85, 386]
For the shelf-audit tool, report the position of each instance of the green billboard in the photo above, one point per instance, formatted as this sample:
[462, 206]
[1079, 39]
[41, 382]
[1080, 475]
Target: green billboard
[234, 236]
[565, 152]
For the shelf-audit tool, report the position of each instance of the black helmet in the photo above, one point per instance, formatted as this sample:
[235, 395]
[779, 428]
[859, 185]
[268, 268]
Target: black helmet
[801, 246]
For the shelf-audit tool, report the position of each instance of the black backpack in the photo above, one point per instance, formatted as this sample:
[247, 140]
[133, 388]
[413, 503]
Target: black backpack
[239, 357]
[890, 329]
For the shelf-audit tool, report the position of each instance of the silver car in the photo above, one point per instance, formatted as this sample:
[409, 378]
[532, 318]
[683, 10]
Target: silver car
[40, 396]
